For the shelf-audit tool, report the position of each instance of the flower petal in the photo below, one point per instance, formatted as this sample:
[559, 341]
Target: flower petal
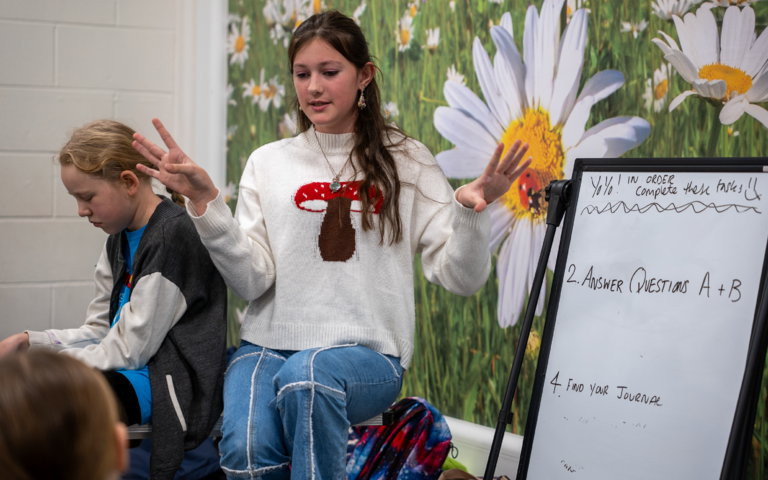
[592, 147]
[546, 51]
[569, 69]
[683, 65]
[733, 110]
[485, 77]
[462, 162]
[738, 29]
[461, 97]
[710, 88]
[759, 91]
[686, 36]
[463, 131]
[506, 23]
[665, 50]
[530, 35]
[505, 44]
[513, 272]
[621, 134]
[501, 221]
[759, 113]
[597, 88]
[670, 41]
[504, 75]
[757, 55]
[707, 38]
[679, 99]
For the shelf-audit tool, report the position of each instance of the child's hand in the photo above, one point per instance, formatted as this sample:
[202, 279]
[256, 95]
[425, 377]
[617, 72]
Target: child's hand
[14, 343]
[496, 179]
[175, 169]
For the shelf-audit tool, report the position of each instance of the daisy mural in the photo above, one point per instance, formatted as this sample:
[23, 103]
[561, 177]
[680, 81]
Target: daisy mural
[237, 42]
[536, 101]
[729, 68]
[657, 90]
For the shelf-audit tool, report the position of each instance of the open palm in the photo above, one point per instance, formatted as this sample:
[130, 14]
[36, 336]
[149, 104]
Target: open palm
[175, 169]
[497, 178]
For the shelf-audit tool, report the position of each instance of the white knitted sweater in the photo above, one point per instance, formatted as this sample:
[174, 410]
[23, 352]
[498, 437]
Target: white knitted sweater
[269, 253]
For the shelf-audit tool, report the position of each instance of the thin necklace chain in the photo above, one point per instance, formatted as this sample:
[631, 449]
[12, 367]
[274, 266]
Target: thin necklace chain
[335, 186]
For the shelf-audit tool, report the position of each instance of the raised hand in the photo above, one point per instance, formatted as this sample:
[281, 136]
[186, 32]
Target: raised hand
[497, 177]
[175, 169]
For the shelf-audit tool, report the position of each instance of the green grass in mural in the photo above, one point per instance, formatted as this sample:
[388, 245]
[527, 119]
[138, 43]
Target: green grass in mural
[462, 357]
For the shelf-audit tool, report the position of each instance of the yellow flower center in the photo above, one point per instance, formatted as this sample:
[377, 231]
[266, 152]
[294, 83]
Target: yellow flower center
[296, 25]
[239, 44]
[270, 91]
[405, 36]
[526, 197]
[316, 6]
[661, 89]
[736, 80]
[256, 90]
[568, 11]
[413, 10]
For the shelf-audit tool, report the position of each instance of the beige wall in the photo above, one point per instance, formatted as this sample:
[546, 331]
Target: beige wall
[63, 63]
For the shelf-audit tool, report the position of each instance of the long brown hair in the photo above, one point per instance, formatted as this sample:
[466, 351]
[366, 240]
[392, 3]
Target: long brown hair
[57, 418]
[104, 148]
[370, 149]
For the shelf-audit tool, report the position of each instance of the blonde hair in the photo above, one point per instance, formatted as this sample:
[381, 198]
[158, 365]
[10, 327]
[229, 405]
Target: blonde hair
[104, 148]
[58, 419]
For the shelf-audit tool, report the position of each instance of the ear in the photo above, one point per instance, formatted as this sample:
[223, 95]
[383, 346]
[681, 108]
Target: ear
[121, 447]
[366, 73]
[131, 182]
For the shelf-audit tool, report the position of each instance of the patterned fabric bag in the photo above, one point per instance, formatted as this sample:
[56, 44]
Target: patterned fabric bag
[414, 447]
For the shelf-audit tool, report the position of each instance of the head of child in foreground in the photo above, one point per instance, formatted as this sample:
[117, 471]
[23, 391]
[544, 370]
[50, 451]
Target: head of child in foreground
[58, 419]
[98, 168]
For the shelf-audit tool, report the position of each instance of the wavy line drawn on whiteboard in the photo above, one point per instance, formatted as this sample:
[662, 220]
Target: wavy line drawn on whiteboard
[696, 206]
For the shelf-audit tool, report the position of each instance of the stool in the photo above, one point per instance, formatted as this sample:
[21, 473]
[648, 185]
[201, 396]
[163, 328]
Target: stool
[140, 432]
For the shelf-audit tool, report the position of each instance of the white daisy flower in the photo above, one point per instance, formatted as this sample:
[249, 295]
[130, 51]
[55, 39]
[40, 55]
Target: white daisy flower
[287, 127]
[730, 67]
[231, 130]
[240, 315]
[230, 90]
[539, 103]
[404, 32]
[452, 6]
[732, 133]
[237, 43]
[233, 19]
[454, 76]
[358, 12]
[229, 192]
[728, 3]
[665, 9]
[656, 90]
[413, 8]
[390, 110]
[271, 92]
[634, 28]
[254, 90]
[433, 38]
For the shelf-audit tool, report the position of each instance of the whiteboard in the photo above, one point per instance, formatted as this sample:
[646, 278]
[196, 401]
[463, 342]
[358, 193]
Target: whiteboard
[660, 283]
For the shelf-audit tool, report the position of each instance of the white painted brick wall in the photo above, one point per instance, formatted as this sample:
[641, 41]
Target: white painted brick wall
[63, 63]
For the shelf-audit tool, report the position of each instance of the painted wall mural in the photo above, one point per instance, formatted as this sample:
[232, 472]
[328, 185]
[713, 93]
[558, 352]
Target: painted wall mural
[594, 78]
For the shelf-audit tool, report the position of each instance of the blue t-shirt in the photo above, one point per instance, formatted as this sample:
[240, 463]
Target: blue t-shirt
[139, 378]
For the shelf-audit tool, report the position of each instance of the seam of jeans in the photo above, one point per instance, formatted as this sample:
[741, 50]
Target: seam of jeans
[251, 355]
[390, 363]
[312, 402]
[307, 384]
[256, 471]
[175, 402]
[250, 413]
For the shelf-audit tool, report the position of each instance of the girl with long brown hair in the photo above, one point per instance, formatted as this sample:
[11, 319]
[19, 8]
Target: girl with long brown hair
[322, 244]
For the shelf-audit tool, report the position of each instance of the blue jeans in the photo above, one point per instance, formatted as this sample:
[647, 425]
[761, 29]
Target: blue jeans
[287, 414]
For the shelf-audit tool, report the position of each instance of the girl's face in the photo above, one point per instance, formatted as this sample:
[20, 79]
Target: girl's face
[107, 204]
[327, 84]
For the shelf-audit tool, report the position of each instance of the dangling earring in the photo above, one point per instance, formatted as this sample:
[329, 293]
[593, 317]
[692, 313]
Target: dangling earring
[361, 102]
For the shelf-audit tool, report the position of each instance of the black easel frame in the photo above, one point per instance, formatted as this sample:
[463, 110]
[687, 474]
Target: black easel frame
[743, 420]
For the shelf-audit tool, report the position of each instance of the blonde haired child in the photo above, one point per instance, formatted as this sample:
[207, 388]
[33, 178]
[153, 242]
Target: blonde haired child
[157, 326]
[59, 420]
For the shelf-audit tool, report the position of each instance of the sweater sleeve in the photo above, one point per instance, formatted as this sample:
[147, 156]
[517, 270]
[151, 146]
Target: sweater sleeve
[97, 321]
[453, 240]
[156, 305]
[239, 245]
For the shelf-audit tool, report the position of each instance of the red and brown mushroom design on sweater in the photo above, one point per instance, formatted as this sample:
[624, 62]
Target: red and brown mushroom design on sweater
[337, 235]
